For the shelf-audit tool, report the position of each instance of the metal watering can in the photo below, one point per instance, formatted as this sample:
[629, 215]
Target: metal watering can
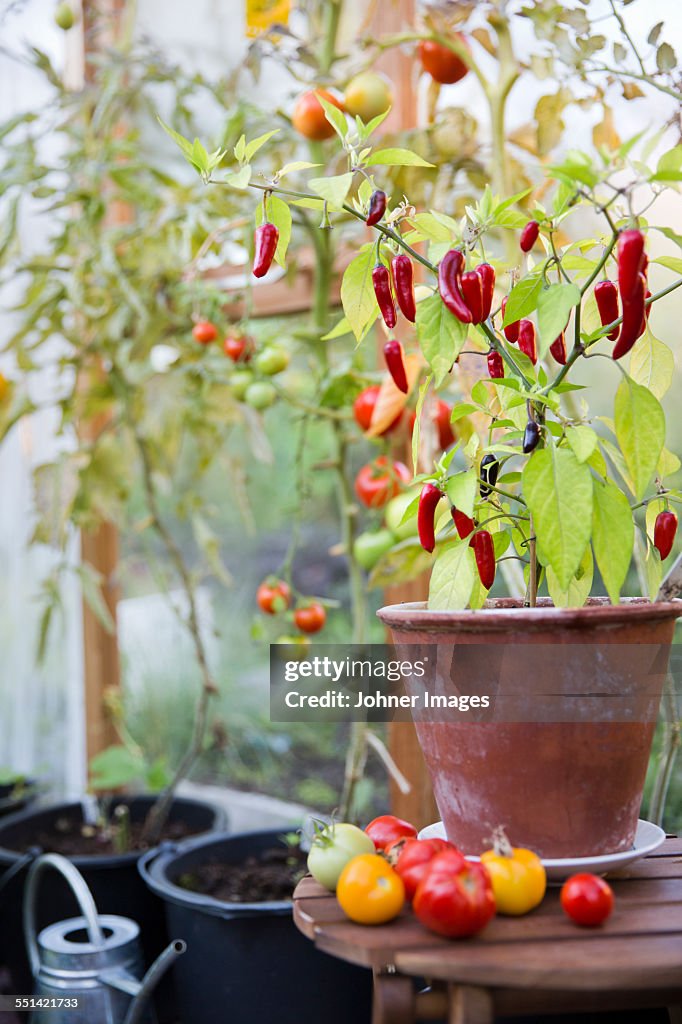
[94, 959]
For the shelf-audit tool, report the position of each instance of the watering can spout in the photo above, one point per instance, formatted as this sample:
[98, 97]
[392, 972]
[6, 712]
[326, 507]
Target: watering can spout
[142, 990]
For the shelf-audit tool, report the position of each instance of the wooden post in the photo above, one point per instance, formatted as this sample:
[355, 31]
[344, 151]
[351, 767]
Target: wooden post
[101, 19]
[417, 806]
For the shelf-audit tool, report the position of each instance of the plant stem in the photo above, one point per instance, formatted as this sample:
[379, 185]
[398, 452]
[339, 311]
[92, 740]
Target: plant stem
[671, 745]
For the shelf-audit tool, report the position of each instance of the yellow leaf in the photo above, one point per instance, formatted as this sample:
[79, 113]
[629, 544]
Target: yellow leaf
[390, 400]
[604, 133]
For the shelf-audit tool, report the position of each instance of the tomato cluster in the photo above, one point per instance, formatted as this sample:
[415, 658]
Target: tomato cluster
[274, 597]
[376, 871]
[249, 380]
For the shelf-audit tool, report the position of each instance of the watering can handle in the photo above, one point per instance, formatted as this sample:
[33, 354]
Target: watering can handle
[79, 889]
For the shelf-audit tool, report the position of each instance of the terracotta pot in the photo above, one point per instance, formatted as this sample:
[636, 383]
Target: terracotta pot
[560, 758]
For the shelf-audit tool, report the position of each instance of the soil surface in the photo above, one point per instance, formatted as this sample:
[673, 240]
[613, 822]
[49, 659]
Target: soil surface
[72, 838]
[273, 875]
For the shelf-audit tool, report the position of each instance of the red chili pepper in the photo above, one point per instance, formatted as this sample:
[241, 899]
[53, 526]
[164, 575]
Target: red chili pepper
[464, 524]
[403, 278]
[472, 290]
[558, 349]
[495, 364]
[266, 238]
[487, 276]
[633, 318]
[511, 331]
[381, 279]
[531, 436]
[606, 295]
[395, 364]
[449, 285]
[484, 553]
[377, 208]
[529, 235]
[665, 529]
[426, 513]
[630, 257]
[647, 310]
[527, 342]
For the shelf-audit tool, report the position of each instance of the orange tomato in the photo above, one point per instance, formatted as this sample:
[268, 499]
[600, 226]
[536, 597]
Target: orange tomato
[369, 890]
[441, 63]
[309, 118]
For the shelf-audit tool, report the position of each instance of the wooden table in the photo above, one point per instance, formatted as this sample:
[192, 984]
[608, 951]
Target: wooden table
[537, 964]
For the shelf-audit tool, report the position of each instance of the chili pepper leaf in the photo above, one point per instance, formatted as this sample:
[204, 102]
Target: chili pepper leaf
[240, 179]
[652, 364]
[402, 563]
[251, 148]
[416, 432]
[582, 440]
[640, 429]
[395, 157]
[279, 214]
[452, 577]
[554, 309]
[523, 299]
[357, 292]
[668, 464]
[578, 590]
[558, 490]
[334, 189]
[462, 490]
[612, 535]
[441, 336]
[336, 117]
[654, 571]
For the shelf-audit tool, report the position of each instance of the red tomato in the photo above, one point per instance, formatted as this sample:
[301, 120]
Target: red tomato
[239, 347]
[379, 481]
[273, 596]
[446, 436]
[386, 829]
[455, 896]
[587, 899]
[414, 860]
[205, 332]
[310, 618]
[442, 64]
[363, 408]
[309, 118]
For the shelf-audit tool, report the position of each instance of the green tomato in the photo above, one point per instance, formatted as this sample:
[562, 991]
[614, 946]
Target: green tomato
[368, 95]
[64, 16]
[273, 359]
[332, 848]
[239, 382]
[395, 511]
[369, 547]
[260, 395]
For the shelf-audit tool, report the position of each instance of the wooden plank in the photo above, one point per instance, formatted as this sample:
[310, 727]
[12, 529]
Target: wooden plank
[393, 999]
[468, 1005]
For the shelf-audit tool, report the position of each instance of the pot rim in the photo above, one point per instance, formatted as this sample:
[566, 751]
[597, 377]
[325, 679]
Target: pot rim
[509, 614]
[154, 866]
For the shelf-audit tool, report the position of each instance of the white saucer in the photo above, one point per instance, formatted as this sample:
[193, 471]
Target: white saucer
[648, 838]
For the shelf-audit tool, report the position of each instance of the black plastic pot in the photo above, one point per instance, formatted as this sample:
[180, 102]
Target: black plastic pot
[114, 881]
[247, 962]
[16, 796]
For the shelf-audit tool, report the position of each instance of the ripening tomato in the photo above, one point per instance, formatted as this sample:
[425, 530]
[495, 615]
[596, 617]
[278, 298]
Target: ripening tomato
[444, 430]
[455, 896]
[442, 64]
[260, 395]
[239, 347]
[240, 382]
[414, 859]
[309, 117]
[273, 596]
[386, 829]
[518, 876]
[369, 890]
[273, 359]
[310, 618]
[587, 899]
[363, 409]
[379, 481]
[332, 848]
[205, 332]
[368, 95]
[368, 547]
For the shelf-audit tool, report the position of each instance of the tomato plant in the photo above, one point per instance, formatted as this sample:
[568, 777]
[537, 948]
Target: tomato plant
[369, 890]
[273, 596]
[455, 896]
[587, 899]
[379, 481]
[333, 846]
[386, 829]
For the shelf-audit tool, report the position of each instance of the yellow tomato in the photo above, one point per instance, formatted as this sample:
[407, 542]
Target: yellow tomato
[518, 877]
[5, 388]
[369, 890]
